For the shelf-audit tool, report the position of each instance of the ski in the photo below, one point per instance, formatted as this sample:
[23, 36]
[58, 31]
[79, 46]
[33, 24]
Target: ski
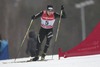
[14, 62]
[24, 61]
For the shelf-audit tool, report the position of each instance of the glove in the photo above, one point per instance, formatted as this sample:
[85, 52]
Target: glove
[33, 17]
[62, 7]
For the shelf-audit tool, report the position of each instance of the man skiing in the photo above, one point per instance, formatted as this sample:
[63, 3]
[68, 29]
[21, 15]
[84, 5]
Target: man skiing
[47, 21]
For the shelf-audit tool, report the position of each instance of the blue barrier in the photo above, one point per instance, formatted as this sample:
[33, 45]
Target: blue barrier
[4, 52]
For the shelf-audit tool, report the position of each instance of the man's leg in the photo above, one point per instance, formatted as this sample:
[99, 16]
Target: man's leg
[37, 52]
[38, 46]
[40, 38]
[49, 37]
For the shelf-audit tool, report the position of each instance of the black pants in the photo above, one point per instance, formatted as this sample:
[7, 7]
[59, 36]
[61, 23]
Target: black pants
[48, 33]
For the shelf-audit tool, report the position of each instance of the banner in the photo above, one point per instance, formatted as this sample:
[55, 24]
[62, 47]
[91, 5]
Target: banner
[89, 46]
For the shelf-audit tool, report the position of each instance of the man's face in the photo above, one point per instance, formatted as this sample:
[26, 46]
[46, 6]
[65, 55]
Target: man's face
[49, 12]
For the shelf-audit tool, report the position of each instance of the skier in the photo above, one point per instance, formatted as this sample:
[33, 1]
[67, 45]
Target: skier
[48, 17]
[31, 44]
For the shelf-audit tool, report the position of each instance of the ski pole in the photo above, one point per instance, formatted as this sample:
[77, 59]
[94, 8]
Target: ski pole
[23, 40]
[57, 32]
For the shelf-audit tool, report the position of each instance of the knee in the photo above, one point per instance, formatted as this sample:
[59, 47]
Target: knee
[47, 45]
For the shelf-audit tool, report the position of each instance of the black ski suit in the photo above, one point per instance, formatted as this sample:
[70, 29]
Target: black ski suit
[48, 33]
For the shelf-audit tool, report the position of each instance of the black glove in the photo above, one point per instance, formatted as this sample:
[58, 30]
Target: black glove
[33, 17]
[62, 7]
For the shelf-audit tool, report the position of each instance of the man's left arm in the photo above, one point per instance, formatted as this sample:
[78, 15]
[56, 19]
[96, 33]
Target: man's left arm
[57, 15]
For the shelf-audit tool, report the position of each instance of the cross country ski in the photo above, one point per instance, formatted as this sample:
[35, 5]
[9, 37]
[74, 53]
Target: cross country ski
[25, 61]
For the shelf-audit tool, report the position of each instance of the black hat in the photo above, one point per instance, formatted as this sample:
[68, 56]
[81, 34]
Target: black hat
[49, 7]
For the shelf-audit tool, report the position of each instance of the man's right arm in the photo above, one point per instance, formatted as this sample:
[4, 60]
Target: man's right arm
[37, 15]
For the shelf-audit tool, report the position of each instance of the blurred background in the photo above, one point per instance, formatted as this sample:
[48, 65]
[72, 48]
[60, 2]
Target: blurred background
[15, 17]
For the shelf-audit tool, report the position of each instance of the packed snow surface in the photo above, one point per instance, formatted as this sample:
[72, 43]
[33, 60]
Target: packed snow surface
[79, 61]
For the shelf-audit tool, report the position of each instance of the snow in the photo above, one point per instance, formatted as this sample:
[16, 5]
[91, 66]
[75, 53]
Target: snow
[79, 61]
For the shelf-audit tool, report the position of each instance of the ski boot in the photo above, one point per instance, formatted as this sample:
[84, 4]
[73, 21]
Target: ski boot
[43, 56]
[35, 58]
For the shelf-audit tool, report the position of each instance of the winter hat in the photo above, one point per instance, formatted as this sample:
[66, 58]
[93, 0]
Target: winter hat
[49, 7]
